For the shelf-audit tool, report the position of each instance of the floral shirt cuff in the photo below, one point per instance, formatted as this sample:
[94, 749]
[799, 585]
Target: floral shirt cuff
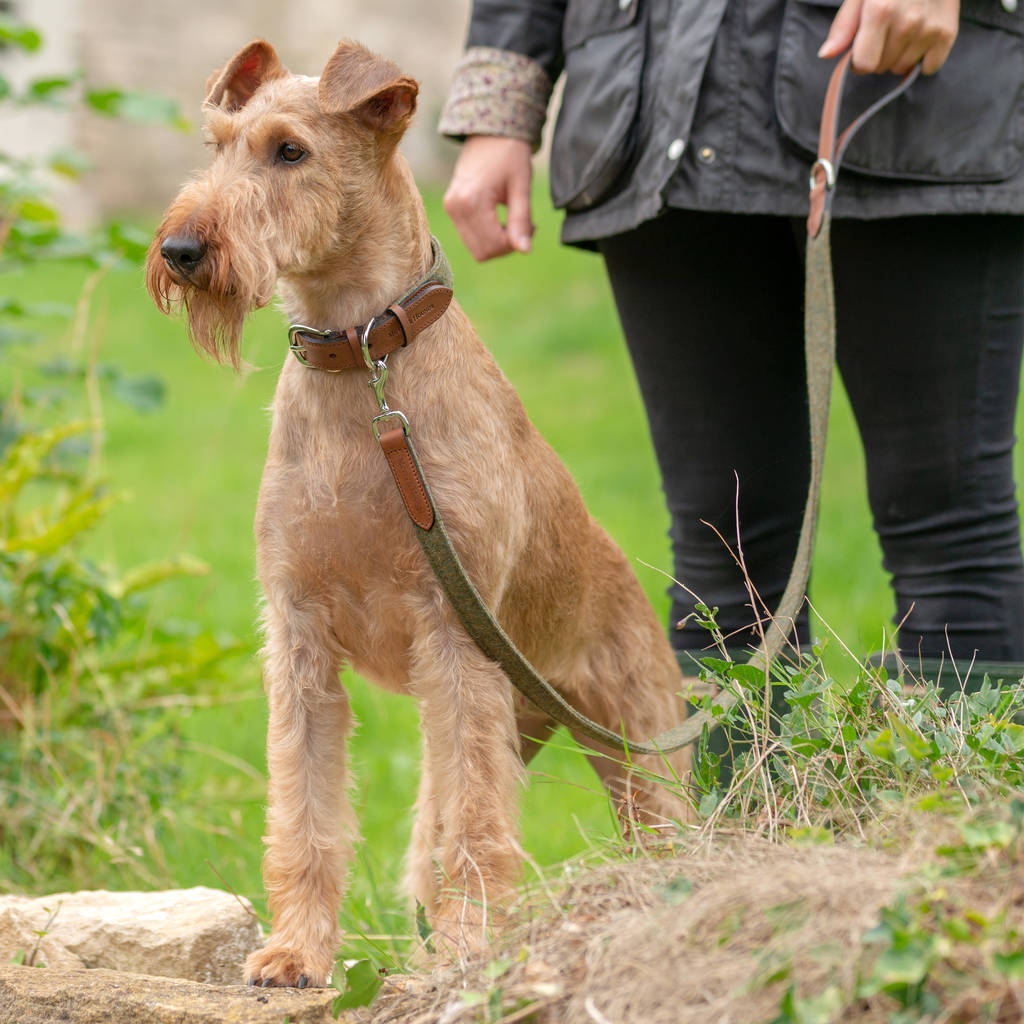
[497, 92]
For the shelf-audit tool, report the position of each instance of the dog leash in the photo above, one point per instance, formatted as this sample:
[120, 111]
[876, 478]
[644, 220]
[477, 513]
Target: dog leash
[819, 341]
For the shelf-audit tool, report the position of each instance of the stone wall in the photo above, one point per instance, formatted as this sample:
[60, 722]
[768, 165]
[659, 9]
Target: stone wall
[171, 48]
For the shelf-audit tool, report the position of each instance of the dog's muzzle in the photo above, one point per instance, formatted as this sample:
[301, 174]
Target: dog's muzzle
[183, 254]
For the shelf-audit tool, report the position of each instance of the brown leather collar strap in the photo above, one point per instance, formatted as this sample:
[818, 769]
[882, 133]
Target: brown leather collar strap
[832, 144]
[395, 328]
[335, 351]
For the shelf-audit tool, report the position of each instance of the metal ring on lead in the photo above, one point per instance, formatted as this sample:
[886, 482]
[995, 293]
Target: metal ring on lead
[390, 414]
[830, 173]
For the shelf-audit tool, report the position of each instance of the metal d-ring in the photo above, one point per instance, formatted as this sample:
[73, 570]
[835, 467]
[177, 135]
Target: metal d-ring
[829, 170]
[390, 414]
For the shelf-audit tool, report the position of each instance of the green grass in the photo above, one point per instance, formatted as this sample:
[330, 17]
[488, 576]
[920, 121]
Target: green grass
[189, 472]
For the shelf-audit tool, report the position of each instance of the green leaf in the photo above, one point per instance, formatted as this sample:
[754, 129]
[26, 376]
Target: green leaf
[913, 742]
[494, 1004]
[820, 1009]
[1011, 965]
[18, 34]
[677, 890]
[423, 929]
[81, 516]
[143, 394]
[708, 803]
[748, 676]
[716, 665]
[362, 983]
[69, 163]
[144, 107]
[812, 835]
[128, 240]
[37, 212]
[982, 836]
[903, 965]
[496, 968]
[48, 88]
[1013, 737]
[153, 573]
[881, 745]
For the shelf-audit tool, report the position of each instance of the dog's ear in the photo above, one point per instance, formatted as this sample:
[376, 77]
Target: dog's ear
[233, 86]
[372, 89]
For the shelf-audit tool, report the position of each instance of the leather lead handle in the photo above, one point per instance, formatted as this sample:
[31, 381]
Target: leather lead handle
[406, 471]
[832, 144]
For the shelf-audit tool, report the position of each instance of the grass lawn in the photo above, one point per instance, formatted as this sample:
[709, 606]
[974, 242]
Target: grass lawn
[189, 472]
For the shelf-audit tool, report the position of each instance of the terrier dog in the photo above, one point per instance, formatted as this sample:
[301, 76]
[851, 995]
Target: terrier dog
[308, 194]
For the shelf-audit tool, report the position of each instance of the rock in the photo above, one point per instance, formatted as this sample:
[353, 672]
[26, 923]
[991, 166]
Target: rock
[19, 942]
[197, 934]
[30, 995]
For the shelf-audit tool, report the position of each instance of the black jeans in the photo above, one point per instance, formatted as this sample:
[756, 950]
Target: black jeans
[930, 325]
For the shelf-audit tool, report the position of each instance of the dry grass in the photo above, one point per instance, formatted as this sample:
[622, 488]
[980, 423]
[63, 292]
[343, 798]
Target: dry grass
[864, 865]
[744, 930]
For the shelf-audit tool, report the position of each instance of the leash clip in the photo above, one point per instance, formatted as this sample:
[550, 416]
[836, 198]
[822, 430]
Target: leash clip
[378, 379]
[378, 367]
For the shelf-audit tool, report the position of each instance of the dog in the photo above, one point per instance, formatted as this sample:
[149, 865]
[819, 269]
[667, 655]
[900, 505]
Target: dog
[308, 195]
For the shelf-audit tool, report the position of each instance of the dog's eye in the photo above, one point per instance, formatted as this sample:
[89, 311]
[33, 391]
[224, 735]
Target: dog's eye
[290, 152]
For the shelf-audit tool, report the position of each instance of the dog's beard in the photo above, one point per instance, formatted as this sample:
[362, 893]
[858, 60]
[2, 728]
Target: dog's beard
[231, 281]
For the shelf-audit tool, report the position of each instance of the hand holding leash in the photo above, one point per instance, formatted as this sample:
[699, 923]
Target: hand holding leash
[895, 36]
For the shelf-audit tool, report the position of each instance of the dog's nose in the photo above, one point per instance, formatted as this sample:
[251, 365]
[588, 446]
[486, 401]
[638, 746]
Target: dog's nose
[183, 253]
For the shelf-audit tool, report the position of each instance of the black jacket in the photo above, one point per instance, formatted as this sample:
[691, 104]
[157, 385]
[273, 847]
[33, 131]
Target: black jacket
[714, 105]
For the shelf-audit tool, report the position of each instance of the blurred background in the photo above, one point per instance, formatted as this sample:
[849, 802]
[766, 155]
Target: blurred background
[170, 49]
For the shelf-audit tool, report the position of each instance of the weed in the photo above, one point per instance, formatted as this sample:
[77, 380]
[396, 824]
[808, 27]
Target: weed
[840, 752]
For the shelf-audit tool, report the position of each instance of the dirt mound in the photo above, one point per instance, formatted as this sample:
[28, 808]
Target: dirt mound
[741, 931]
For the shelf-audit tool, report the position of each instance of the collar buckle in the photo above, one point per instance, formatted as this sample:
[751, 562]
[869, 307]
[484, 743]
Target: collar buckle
[297, 346]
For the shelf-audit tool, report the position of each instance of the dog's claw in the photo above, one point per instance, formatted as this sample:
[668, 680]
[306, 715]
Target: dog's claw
[303, 981]
[267, 983]
[251, 982]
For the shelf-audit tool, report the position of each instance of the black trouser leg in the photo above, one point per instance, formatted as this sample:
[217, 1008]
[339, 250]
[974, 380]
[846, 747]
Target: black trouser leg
[711, 310]
[930, 315]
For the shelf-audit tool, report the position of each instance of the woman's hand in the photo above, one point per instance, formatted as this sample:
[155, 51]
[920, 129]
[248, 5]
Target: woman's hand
[894, 35]
[491, 171]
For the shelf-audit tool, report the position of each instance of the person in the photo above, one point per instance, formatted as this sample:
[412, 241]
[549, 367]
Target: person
[681, 153]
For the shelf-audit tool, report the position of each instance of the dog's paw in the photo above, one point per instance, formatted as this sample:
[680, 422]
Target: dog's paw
[284, 967]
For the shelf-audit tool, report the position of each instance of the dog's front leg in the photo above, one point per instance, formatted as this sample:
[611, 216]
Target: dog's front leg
[310, 824]
[465, 855]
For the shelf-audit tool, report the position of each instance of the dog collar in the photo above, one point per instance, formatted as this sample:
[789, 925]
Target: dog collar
[398, 325]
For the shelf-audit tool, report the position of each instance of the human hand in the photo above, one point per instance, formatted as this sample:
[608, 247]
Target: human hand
[894, 35]
[491, 171]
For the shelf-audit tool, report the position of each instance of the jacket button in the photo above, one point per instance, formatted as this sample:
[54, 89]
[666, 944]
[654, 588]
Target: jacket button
[624, 5]
[675, 149]
[706, 155]
[1009, 6]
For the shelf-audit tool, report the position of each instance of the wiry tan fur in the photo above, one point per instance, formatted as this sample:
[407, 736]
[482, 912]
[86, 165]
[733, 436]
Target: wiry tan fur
[342, 233]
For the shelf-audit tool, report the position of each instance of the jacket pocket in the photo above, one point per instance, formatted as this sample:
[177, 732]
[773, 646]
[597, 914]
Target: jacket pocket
[963, 124]
[594, 135]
